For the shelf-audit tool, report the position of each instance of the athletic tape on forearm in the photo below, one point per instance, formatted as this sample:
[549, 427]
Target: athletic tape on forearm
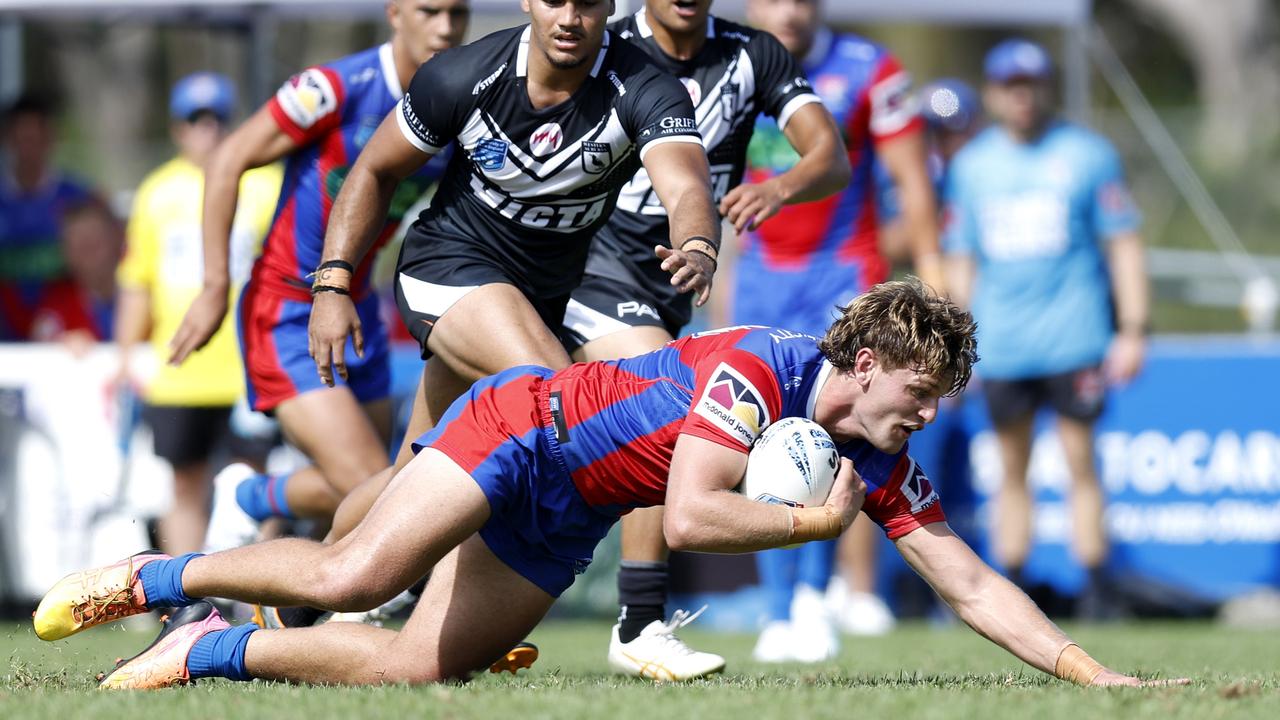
[1075, 665]
[817, 523]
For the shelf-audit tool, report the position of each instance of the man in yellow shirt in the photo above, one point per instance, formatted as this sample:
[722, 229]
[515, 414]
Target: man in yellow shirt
[187, 407]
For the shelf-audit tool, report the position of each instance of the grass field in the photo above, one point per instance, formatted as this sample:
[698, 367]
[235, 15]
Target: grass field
[916, 672]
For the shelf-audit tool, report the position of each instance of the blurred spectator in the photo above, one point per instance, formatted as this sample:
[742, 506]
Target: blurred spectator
[187, 407]
[1042, 228]
[812, 257]
[78, 308]
[34, 195]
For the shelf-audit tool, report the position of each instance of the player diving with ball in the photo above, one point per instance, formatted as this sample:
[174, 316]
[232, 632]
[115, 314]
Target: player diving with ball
[509, 494]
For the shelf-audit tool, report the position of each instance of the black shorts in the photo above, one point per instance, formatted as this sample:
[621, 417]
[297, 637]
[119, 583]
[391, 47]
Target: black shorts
[618, 293]
[1076, 394]
[185, 435]
[434, 273]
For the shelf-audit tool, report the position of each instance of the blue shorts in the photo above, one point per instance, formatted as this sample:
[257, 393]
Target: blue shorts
[277, 365]
[500, 432]
[801, 299]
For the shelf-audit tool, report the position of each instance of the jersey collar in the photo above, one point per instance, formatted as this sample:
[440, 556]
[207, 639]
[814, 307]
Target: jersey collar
[824, 373]
[389, 74]
[642, 24]
[522, 54]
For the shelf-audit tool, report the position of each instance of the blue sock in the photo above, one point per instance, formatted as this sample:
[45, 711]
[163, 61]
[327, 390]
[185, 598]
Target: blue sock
[777, 570]
[263, 497]
[221, 654]
[817, 563]
[162, 582]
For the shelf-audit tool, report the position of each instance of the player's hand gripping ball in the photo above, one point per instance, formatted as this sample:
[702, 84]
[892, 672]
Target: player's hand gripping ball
[792, 463]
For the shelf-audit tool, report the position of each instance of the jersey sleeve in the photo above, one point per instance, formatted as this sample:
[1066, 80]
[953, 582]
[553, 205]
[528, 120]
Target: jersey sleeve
[427, 113]
[657, 110]
[780, 82]
[894, 110]
[902, 499]
[142, 246]
[309, 104]
[1114, 211]
[735, 398]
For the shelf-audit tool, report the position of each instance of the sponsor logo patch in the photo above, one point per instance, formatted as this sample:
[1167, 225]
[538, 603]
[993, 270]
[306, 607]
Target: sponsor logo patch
[918, 490]
[546, 139]
[490, 154]
[307, 97]
[733, 404]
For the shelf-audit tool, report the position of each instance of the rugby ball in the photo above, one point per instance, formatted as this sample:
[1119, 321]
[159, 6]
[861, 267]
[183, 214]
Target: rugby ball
[793, 462]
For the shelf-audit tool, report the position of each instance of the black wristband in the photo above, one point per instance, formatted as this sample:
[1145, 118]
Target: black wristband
[340, 264]
[713, 243]
[317, 289]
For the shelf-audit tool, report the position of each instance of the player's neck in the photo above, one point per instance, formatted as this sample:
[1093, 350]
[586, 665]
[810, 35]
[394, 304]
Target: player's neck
[406, 66]
[549, 85]
[681, 46]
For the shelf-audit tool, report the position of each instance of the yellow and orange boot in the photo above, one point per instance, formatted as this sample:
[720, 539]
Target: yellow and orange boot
[84, 599]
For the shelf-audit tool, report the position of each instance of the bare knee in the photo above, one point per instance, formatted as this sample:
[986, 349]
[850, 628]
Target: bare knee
[344, 583]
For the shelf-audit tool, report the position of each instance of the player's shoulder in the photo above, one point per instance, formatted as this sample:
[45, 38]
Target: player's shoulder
[175, 174]
[629, 61]
[850, 50]
[356, 62]
[1073, 138]
[876, 467]
[476, 66]
[728, 30]
[779, 348]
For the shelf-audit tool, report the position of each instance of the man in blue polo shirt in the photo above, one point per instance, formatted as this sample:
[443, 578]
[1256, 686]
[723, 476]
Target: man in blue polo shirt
[1045, 236]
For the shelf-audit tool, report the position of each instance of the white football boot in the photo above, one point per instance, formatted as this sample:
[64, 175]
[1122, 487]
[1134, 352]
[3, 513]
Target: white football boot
[813, 634]
[229, 526]
[775, 643]
[864, 614]
[657, 654]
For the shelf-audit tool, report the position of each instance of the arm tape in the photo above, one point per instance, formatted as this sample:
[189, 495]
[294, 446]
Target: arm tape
[816, 523]
[1075, 665]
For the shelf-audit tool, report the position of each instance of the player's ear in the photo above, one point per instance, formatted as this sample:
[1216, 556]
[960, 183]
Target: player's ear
[864, 362]
[393, 14]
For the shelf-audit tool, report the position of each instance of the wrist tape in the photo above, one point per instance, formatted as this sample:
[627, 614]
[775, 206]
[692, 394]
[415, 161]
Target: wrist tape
[1075, 665]
[816, 523]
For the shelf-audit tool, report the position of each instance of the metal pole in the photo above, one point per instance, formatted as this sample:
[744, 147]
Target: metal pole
[1075, 68]
[11, 66]
[263, 27]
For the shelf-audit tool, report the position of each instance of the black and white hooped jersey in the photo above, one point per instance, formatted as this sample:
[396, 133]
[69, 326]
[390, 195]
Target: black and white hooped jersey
[738, 74]
[533, 186]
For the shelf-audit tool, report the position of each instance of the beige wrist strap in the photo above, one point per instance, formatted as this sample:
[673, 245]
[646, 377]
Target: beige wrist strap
[700, 245]
[1075, 665]
[332, 277]
[816, 523]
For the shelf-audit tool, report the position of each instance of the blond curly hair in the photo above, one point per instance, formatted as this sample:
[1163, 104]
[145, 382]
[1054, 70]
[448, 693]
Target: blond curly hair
[906, 325]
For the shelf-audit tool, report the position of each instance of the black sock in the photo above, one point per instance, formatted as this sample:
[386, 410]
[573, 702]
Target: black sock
[642, 596]
[1015, 576]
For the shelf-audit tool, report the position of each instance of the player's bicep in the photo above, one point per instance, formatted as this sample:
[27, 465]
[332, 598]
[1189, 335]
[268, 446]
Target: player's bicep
[394, 151]
[699, 465]
[676, 168]
[812, 128]
[259, 141]
[942, 559]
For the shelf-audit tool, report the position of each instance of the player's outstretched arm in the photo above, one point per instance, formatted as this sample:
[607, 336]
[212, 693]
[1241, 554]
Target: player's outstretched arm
[682, 179]
[999, 611]
[259, 141]
[823, 169]
[904, 158]
[704, 514]
[358, 214]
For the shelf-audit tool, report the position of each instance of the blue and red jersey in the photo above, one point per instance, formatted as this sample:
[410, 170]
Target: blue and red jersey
[868, 93]
[330, 111]
[614, 425]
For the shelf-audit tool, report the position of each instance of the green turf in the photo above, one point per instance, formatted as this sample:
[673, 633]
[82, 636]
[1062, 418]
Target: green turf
[914, 673]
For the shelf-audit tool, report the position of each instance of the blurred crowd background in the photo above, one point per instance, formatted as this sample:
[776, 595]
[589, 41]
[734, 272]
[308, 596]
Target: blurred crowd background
[87, 92]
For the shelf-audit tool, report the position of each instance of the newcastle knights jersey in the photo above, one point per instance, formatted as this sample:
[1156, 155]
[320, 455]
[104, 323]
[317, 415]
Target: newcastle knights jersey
[530, 187]
[330, 111]
[616, 423]
[738, 74]
[868, 93]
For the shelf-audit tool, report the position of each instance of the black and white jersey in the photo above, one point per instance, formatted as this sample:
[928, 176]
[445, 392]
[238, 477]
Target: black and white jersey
[739, 73]
[533, 186]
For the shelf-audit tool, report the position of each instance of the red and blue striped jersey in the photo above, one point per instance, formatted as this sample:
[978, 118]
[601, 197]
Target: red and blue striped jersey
[616, 423]
[330, 111]
[868, 93]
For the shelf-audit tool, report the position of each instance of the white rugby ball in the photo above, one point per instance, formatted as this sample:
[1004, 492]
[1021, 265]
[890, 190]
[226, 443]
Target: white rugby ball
[792, 463]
